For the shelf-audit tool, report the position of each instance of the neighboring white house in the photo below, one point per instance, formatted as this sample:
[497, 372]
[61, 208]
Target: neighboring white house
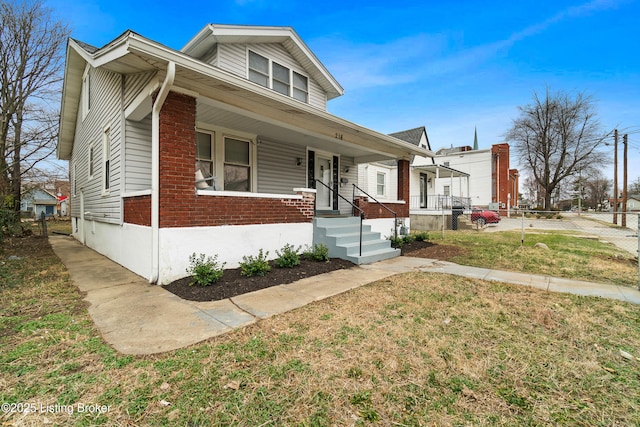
[430, 180]
[223, 147]
[476, 164]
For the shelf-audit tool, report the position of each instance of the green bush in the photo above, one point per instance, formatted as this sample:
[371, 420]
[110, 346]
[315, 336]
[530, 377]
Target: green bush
[205, 272]
[255, 266]
[319, 252]
[289, 257]
[421, 236]
[396, 242]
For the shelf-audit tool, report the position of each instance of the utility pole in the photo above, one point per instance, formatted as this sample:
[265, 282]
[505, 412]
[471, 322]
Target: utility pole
[624, 183]
[615, 176]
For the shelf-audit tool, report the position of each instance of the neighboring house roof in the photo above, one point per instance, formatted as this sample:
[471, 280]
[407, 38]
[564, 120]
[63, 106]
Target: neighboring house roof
[131, 53]
[213, 34]
[40, 196]
[412, 136]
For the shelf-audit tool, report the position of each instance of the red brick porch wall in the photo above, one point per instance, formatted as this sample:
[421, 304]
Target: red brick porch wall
[137, 210]
[181, 206]
[372, 210]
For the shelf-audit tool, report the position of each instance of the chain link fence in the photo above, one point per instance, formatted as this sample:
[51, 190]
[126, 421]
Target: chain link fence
[596, 225]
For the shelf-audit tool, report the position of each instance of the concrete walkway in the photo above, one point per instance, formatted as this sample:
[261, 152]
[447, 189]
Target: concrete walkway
[138, 318]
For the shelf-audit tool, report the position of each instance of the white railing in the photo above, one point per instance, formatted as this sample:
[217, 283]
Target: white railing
[439, 202]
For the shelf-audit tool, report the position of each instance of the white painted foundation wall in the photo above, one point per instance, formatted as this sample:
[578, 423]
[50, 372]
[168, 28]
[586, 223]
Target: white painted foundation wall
[229, 242]
[128, 244]
[384, 226]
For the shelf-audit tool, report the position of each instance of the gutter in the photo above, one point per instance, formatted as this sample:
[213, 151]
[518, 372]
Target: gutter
[155, 170]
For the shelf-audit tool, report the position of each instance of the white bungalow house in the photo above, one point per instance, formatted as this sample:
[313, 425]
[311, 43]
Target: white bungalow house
[223, 147]
[433, 185]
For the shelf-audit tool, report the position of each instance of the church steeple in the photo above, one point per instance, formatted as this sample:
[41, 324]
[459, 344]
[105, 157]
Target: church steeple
[475, 138]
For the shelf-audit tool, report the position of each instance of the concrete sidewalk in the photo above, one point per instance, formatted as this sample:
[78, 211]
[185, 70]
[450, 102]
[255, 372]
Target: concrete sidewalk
[138, 318]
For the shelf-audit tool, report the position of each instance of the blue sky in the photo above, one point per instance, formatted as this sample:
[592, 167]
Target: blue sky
[450, 66]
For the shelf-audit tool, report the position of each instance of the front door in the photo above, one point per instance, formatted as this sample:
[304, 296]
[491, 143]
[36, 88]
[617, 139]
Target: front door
[324, 173]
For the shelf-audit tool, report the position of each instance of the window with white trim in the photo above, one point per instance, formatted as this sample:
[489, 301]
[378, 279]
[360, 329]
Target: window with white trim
[90, 166]
[205, 153]
[86, 92]
[106, 160]
[380, 183]
[270, 74]
[258, 69]
[237, 165]
[300, 87]
[447, 190]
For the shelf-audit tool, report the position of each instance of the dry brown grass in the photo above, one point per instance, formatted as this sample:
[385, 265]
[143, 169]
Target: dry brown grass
[414, 349]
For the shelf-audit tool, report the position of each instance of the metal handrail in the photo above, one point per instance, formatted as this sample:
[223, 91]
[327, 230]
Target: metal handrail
[395, 215]
[317, 181]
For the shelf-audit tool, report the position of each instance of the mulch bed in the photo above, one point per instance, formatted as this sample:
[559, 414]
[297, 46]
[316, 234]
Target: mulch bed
[233, 283]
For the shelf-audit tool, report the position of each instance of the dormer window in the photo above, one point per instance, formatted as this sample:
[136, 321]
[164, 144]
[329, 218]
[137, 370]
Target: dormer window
[258, 69]
[275, 76]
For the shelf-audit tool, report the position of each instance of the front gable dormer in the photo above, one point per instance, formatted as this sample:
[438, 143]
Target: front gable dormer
[272, 57]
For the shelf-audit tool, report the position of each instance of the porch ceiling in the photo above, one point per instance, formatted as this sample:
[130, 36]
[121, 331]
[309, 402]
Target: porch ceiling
[219, 114]
[442, 171]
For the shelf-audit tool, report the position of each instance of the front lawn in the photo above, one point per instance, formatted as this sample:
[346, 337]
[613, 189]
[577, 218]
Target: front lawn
[413, 349]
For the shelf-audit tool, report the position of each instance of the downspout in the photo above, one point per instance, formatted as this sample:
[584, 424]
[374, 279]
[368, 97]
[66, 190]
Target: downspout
[155, 170]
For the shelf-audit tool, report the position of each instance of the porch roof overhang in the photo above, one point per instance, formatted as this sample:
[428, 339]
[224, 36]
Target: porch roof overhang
[225, 99]
[442, 171]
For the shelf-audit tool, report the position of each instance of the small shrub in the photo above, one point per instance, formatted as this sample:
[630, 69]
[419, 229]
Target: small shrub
[421, 236]
[205, 272]
[408, 238]
[396, 242]
[319, 252]
[255, 266]
[289, 257]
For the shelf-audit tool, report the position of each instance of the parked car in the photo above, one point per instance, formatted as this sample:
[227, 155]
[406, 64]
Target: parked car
[483, 216]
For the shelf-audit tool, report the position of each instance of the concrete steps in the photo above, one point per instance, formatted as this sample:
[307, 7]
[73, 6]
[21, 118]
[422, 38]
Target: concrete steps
[342, 237]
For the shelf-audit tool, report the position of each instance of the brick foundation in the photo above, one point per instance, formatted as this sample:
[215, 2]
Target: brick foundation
[137, 210]
[373, 210]
[181, 206]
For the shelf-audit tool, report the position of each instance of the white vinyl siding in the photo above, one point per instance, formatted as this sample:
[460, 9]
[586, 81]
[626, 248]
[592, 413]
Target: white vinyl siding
[234, 57]
[278, 169]
[106, 110]
[134, 83]
[138, 155]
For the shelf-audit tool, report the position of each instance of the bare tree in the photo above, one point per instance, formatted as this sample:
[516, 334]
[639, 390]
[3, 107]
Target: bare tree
[31, 58]
[555, 137]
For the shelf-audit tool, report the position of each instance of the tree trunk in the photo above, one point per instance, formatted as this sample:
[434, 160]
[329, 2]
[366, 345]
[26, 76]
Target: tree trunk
[16, 173]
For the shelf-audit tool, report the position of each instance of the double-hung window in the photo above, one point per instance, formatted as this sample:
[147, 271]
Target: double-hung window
[300, 87]
[106, 160]
[281, 79]
[204, 153]
[237, 165]
[91, 159]
[227, 158]
[258, 69]
[380, 180]
[86, 92]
